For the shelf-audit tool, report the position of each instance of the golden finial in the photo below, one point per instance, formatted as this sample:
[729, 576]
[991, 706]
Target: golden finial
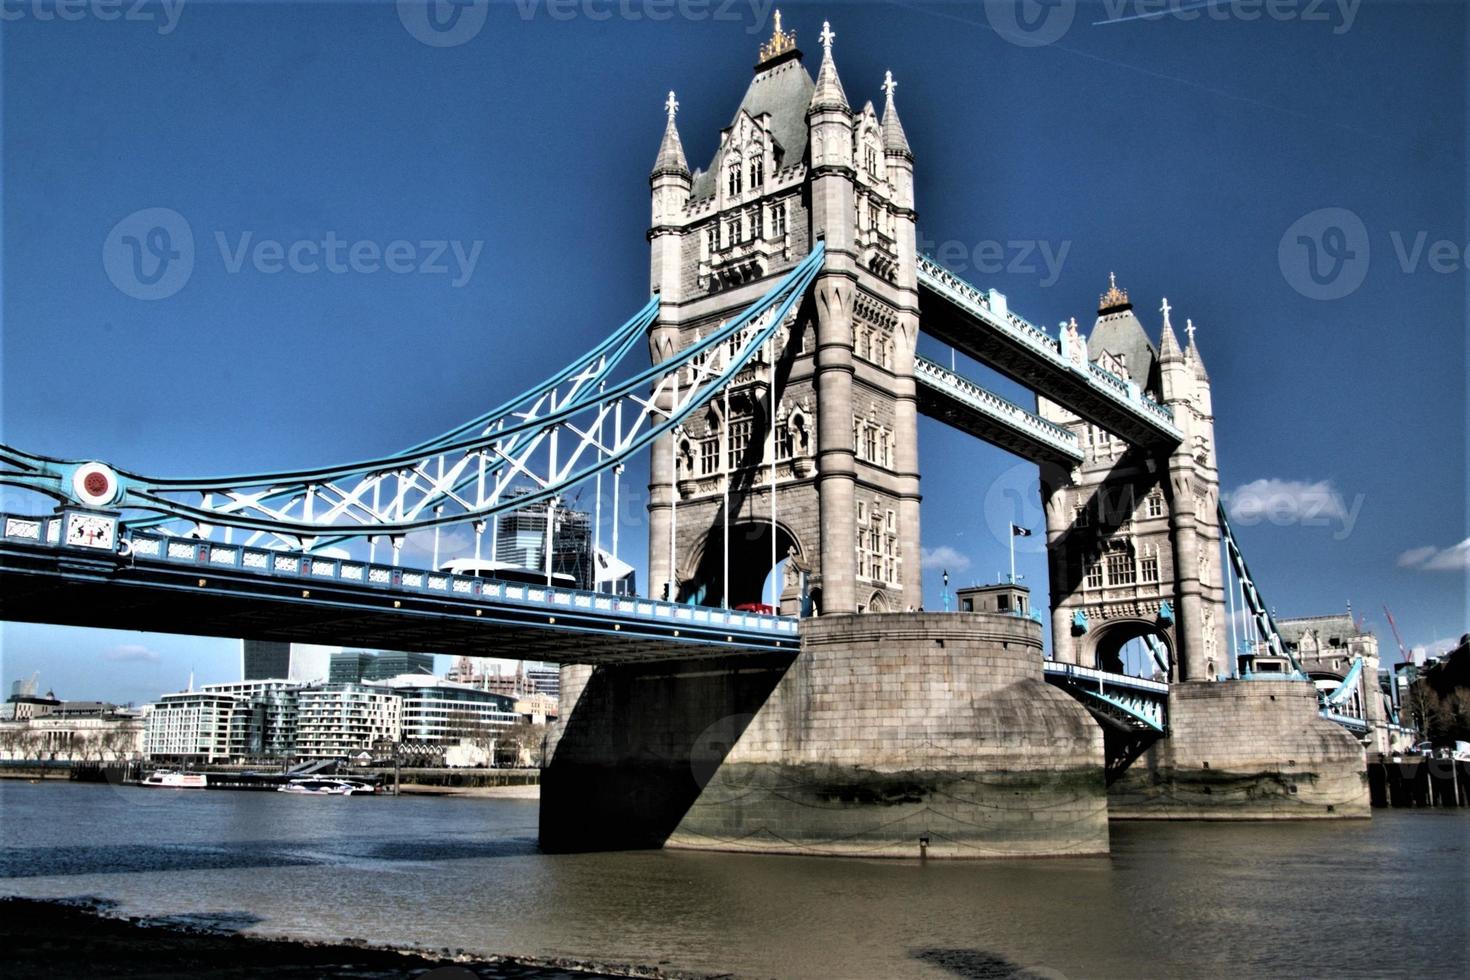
[1114, 298]
[780, 43]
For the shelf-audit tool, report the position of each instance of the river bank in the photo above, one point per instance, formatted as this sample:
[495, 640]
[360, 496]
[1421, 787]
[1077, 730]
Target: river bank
[81, 938]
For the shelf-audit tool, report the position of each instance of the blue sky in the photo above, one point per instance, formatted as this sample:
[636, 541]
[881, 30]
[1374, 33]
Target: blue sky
[1179, 153]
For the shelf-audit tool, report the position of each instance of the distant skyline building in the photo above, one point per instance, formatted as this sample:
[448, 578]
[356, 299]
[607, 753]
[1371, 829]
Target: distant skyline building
[521, 541]
[357, 666]
[337, 720]
[264, 660]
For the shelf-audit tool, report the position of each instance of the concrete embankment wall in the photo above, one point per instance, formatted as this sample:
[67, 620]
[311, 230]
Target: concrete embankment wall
[887, 736]
[1245, 750]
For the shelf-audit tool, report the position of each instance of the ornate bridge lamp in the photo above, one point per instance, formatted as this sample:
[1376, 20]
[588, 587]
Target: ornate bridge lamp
[946, 590]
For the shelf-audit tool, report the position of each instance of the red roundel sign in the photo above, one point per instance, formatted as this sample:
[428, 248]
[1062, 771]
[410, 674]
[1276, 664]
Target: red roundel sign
[94, 484]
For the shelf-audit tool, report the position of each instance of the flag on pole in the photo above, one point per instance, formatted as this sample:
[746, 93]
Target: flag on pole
[1020, 532]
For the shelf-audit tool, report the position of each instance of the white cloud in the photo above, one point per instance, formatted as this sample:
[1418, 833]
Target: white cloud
[1455, 558]
[131, 653]
[943, 557]
[454, 542]
[1417, 556]
[1293, 502]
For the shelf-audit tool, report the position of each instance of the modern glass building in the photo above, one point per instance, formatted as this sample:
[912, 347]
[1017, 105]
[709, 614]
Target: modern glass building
[337, 720]
[357, 666]
[264, 659]
[438, 712]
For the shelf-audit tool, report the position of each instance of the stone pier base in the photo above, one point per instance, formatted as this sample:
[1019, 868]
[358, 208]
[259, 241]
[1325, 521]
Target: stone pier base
[1245, 750]
[888, 735]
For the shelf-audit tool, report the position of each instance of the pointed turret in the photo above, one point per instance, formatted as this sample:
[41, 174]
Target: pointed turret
[671, 151]
[828, 94]
[894, 139]
[1192, 354]
[1169, 349]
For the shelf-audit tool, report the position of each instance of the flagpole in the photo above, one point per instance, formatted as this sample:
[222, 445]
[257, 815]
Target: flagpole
[1013, 554]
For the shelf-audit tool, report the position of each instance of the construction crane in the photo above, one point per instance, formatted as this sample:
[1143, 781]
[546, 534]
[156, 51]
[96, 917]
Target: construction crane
[1403, 651]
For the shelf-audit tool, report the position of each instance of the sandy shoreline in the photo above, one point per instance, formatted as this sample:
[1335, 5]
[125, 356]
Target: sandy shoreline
[81, 937]
[483, 792]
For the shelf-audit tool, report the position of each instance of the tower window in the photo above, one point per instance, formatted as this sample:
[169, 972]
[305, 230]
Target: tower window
[1094, 574]
[739, 440]
[709, 456]
[757, 172]
[1148, 566]
[778, 215]
[1154, 504]
[1120, 568]
[783, 441]
[734, 178]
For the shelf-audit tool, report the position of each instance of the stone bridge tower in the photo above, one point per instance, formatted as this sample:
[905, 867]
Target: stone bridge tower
[796, 164]
[1132, 535]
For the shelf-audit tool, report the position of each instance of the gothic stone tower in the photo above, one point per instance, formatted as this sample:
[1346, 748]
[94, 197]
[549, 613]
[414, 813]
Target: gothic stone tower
[1133, 535]
[795, 165]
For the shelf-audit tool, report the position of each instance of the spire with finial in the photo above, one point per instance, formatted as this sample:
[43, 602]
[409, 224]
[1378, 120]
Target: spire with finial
[1115, 300]
[1192, 353]
[781, 45]
[1168, 342]
[894, 140]
[671, 150]
[828, 93]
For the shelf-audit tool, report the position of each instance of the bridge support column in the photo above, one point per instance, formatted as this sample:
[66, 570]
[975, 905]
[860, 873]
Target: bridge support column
[1244, 750]
[836, 461]
[1190, 631]
[888, 735]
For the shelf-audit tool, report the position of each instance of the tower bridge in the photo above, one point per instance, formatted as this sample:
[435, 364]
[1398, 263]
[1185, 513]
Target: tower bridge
[780, 413]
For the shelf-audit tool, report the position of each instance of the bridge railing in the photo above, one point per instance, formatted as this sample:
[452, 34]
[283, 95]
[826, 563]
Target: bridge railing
[1092, 674]
[980, 305]
[996, 407]
[205, 555]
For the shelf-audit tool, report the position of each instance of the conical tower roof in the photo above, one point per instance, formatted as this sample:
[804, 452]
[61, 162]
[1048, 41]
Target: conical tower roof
[894, 139]
[828, 93]
[671, 150]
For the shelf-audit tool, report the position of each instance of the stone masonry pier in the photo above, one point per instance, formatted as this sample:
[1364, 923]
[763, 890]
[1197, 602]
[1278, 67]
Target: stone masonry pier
[1245, 750]
[888, 735]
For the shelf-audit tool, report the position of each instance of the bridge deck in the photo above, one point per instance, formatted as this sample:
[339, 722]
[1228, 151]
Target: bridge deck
[178, 585]
[955, 312]
[962, 403]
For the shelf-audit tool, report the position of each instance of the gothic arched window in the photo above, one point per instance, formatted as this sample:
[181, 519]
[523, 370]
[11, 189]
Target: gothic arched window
[734, 178]
[757, 172]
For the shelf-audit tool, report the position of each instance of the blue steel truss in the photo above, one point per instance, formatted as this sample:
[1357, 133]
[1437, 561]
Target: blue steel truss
[574, 426]
[1127, 701]
[988, 309]
[1006, 422]
[1260, 612]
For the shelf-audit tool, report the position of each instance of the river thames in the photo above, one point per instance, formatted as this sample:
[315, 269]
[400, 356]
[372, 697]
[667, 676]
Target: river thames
[1386, 897]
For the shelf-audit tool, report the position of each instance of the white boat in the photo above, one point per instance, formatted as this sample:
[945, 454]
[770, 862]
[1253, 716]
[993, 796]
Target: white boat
[326, 786]
[171, 779]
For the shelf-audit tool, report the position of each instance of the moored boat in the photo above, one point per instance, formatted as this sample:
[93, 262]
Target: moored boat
[172, 779]
[326, 786]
